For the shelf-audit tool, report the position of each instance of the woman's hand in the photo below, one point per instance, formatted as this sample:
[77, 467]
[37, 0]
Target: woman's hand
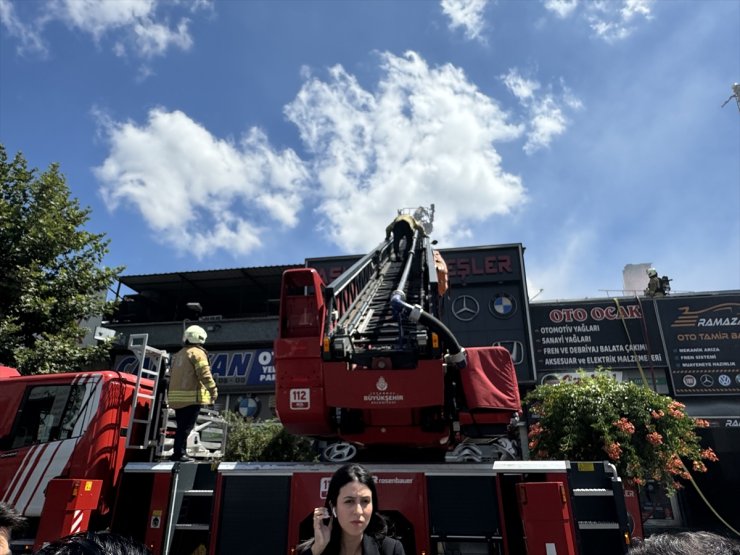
[321, 531]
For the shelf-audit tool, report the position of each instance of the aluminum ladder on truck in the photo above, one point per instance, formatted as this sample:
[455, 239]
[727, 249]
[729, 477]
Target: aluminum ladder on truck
[149, 363]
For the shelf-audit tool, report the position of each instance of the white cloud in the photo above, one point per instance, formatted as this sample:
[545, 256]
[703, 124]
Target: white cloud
[198, 193]
[519, 86]
[562, 8]
[422, 135]
[465, 14]
[141, 27]
[96, 16]
[547, 121]
[610, 20]
[635, 7]
[153, 38]
[425, 136]
[30, 39]
[546, 115]
[615, 21]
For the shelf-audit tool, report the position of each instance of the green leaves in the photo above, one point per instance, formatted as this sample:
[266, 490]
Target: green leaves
[264, 442]
[644, 434]
[52, 273]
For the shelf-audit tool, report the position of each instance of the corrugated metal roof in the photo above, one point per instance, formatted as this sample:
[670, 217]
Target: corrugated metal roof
[206, 278]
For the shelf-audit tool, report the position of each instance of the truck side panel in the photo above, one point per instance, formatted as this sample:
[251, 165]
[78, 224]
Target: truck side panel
[61, 426]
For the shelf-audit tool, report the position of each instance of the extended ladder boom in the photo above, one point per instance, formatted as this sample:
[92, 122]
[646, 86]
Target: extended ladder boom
[363, 322]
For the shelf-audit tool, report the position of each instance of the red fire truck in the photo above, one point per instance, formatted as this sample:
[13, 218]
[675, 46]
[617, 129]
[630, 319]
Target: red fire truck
[363, 365]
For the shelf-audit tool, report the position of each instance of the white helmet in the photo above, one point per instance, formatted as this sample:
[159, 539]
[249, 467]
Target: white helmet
[195, 335]
[652, 272]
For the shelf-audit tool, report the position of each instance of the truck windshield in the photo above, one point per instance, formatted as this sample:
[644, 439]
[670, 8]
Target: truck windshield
[49, 413]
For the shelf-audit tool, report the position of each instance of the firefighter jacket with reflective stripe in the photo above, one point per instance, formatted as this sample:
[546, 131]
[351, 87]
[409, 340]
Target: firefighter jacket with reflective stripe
[191, 382]
[412, 223]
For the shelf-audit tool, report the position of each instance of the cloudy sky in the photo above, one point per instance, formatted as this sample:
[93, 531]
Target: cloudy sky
[221, 134]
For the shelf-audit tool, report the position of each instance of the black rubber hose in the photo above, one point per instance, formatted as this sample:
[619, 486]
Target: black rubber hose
[434, 324]
[437, 326]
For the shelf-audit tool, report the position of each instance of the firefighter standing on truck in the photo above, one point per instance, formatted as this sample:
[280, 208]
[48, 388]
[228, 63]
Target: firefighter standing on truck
[191, 386]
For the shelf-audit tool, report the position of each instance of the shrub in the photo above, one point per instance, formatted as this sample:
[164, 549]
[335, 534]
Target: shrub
[265, 441]
[644, 434]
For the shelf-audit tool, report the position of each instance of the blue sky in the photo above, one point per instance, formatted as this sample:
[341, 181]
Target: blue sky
[209, 135]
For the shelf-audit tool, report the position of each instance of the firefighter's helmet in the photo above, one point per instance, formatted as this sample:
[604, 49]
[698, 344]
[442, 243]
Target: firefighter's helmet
[195, 335]
[652, 272]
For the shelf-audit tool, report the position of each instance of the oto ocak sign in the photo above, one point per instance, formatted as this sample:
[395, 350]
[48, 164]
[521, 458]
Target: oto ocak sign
[230, 369]
[589, 334]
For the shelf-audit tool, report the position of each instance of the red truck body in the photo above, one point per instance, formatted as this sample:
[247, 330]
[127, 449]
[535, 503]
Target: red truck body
[63, 426]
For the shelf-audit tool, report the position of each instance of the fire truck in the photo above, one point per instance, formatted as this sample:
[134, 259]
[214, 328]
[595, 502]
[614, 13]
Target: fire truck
[366, 362]
[364, 366]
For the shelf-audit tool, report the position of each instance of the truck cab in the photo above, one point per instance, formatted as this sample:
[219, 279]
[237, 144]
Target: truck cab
[58, 426]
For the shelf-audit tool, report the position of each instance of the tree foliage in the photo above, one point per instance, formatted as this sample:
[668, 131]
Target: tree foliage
[644, 434]
[265, 441]
[52, 273]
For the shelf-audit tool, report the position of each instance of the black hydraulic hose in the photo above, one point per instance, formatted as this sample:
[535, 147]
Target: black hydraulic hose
[415, 313]
[436, 325]
[409, 262]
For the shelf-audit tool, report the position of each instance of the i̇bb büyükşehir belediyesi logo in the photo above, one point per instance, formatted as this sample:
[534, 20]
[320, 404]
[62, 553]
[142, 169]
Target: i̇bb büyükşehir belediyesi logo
[383, 395]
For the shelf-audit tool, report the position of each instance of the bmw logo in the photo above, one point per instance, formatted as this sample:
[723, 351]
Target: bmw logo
[249, 407]
[502, 306]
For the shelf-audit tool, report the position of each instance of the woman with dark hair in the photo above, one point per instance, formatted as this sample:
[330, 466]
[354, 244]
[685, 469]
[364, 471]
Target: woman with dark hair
[349, 523]
[95, 543]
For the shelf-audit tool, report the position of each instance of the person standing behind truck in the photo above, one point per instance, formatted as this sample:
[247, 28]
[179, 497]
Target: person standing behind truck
[191, 386]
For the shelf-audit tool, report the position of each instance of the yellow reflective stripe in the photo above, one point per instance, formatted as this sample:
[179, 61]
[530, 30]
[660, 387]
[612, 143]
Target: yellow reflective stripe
[182, 396]
[201, 364]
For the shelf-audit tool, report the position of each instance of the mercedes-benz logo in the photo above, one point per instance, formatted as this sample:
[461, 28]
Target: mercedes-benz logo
[465, 308]
[706, 380]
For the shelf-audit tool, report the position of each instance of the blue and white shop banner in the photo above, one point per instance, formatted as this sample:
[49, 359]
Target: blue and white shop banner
[248, 367]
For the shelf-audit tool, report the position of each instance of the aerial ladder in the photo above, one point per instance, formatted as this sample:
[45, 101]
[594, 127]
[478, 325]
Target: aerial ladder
[365, 361]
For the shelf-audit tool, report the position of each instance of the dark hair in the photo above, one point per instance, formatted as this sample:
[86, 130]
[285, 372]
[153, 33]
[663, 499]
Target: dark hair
[687, 543]
[10, 519]
[95, 543]
[352, 472]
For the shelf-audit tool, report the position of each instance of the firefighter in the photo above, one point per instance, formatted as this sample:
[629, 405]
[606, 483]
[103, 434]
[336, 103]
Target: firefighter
[191, 386]
[655, 285]
[402, 227]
